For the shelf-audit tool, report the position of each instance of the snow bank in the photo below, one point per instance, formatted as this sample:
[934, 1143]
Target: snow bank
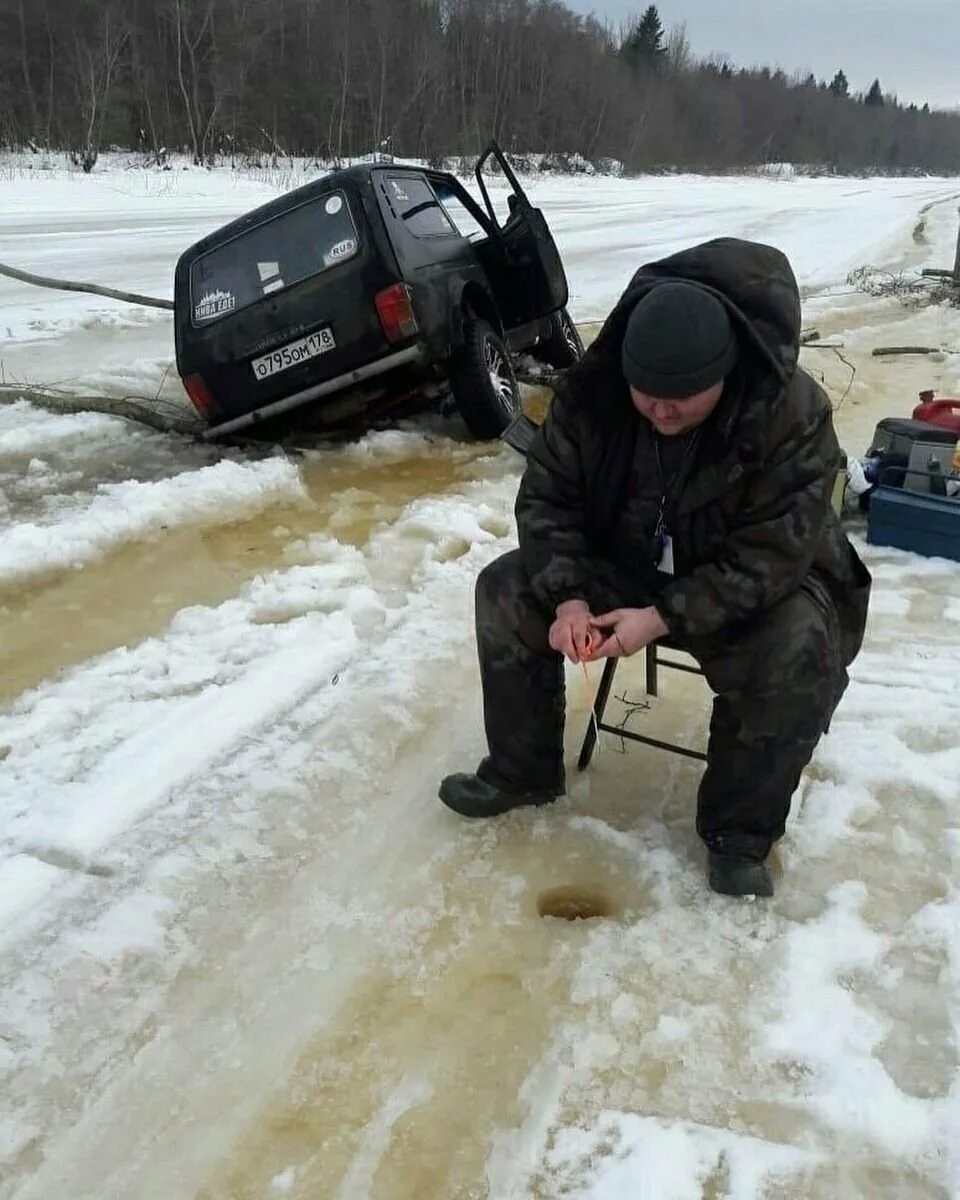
[122, 512]
[29, 432]
[623, 1154]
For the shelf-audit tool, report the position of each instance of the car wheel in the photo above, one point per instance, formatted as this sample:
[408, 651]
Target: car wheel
[483, 381]
[562, 347]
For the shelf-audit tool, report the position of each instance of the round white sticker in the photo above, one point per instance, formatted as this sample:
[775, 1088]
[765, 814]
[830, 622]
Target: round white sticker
[334, 204]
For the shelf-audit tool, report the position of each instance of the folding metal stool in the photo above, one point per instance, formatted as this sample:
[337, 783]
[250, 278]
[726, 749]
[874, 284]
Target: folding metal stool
[653, 663]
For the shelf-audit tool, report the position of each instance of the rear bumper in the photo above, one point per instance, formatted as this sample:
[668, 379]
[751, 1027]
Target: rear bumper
[402, 358]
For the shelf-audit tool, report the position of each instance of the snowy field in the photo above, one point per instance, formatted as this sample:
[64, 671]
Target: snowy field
[245, 953]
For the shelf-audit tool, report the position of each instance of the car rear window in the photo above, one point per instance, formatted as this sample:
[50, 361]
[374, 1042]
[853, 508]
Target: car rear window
[416, 205]
[282, 251]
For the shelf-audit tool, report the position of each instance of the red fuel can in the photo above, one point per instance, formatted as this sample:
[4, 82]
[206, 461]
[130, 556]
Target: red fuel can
[943, 413]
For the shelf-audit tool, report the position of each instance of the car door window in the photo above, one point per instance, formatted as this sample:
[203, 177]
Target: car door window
[414, 202]
[503, 197]
[503, 201]
[459, 214]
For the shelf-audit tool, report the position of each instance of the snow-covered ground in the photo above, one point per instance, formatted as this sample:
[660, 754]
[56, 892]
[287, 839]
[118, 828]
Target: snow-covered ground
[244, 952]
[125, 228]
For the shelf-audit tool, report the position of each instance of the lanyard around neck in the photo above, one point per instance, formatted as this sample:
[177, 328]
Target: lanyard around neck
[667, 485]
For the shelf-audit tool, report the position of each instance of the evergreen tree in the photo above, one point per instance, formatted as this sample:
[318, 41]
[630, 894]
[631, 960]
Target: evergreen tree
[644, 47]
[874, 98]
[840, 85]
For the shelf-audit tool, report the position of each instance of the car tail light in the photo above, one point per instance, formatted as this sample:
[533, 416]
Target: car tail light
[199, 393]
[395, 310]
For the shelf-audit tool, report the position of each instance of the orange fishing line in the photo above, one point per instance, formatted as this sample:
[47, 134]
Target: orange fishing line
[591, 690]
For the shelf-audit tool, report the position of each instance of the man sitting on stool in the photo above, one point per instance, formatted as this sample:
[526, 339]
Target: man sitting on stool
[680, 485]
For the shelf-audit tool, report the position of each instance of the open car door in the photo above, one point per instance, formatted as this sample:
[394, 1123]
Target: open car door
[522, 260]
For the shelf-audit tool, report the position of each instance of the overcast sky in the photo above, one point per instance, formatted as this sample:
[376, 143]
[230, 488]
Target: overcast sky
[912, 45]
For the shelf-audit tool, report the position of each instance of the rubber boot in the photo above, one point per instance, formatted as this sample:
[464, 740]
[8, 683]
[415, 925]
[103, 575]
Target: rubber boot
[471, 796]
[733, 875]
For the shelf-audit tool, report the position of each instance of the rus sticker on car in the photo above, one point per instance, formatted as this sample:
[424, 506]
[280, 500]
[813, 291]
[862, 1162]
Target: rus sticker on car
[285, 357]
[340, 251]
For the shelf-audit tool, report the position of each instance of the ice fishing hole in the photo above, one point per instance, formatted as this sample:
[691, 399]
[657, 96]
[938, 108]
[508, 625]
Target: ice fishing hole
[572, 903]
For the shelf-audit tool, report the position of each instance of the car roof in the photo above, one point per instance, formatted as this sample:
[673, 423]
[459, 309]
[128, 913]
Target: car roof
[316, 187]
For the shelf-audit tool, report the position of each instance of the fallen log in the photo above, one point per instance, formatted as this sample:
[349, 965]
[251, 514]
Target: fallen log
[883, 351]
[142, 409]
[69, 285]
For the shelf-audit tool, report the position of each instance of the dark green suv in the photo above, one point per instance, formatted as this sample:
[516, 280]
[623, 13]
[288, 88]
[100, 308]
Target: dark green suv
[368, 286]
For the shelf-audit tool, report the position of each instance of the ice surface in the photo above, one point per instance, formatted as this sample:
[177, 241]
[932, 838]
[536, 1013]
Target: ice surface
[245, 952]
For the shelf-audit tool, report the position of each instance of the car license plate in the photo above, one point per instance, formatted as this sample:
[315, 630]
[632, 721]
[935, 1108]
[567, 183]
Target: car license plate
[285, 357]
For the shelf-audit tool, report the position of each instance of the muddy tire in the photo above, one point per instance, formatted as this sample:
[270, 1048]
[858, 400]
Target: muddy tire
[562, 347]
[483, 381]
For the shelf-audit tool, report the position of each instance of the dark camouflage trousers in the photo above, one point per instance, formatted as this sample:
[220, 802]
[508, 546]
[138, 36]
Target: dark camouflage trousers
[777, 679]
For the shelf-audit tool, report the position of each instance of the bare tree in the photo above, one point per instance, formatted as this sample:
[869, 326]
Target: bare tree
[430, 78]
[99, 39]
[25, 67]
[679, 55]
[192, 23]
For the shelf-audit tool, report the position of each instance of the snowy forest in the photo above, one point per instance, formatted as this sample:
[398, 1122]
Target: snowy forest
[429, 78]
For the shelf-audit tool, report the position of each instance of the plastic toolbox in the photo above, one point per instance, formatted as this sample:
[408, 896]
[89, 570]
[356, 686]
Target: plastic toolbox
[928, 525]
[897, 435]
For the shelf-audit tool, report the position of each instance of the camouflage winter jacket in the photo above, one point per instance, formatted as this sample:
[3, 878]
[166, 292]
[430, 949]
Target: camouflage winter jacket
[752, 520]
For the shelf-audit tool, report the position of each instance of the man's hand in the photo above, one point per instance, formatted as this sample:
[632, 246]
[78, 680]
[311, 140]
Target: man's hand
[573, 633]
[627, 630]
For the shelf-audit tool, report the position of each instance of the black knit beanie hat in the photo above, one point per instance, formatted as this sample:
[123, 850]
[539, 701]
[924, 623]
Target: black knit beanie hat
[678, 342]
